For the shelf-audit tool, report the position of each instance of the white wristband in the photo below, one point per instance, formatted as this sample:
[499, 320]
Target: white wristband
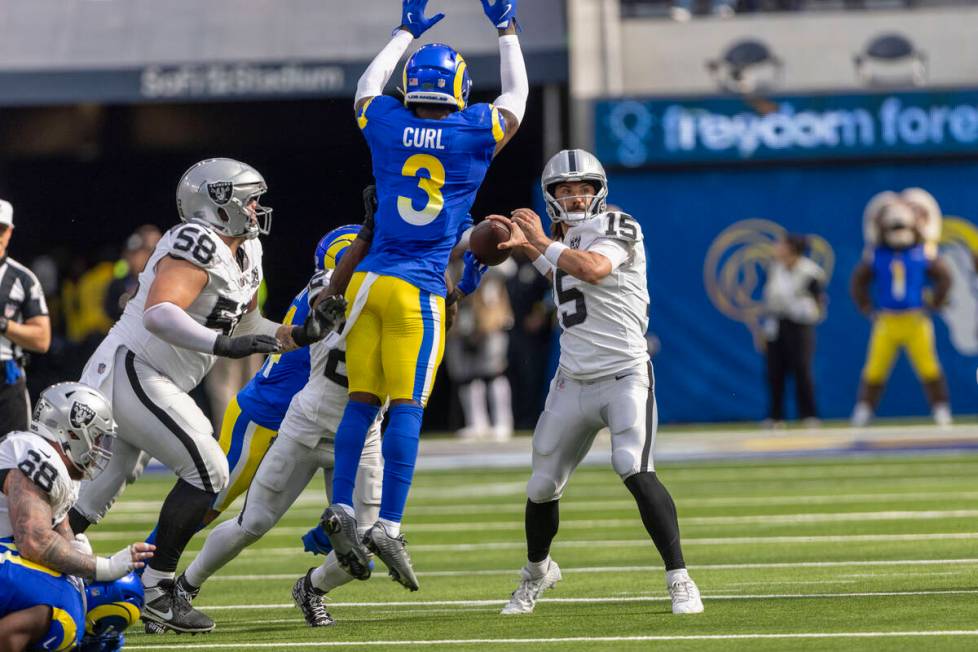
[542, 265]
[553, 252]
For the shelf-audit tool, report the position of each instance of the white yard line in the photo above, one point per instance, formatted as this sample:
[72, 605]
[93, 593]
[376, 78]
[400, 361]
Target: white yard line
[608, 599]
[561, 640]
[652, 569]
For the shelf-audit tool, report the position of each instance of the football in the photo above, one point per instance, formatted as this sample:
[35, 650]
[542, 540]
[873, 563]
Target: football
[484, 241]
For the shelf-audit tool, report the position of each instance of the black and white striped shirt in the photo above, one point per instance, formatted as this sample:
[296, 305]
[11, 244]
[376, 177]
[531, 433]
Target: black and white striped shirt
[21, 298]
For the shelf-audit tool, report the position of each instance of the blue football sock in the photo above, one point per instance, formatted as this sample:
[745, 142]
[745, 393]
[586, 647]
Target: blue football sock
[400, 449]
[348, 445]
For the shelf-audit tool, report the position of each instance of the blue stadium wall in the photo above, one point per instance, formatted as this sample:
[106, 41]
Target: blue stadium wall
[707, 368]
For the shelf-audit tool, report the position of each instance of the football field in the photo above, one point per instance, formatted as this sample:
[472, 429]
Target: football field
[877, 553]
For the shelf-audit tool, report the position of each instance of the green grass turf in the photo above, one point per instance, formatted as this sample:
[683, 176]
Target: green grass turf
[786, 518]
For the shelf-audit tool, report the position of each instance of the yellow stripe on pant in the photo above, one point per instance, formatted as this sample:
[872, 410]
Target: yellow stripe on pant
[245, 443]
[396, 344]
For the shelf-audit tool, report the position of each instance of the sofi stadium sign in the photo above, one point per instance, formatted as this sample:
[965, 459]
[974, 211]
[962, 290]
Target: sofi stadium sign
[638, 132]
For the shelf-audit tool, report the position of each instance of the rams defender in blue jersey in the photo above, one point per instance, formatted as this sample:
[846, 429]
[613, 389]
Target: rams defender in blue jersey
[430, 155]
[891, 286]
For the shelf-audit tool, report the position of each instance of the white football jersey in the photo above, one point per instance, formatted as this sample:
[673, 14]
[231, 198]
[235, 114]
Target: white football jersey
[36, 458]
[323, 399]
[604, 323]
[231, 284]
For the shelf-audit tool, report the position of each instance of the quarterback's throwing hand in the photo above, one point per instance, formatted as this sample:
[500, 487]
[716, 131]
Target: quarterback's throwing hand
[516, 237]
[413, 18]
[529, 223]
[244, 345]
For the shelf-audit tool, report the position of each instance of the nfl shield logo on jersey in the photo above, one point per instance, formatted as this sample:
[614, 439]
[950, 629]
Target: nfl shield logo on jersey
[81, 415]
[220, 191]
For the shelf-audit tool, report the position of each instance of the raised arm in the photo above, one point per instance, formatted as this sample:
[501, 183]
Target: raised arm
[512, 68]
[378, 73]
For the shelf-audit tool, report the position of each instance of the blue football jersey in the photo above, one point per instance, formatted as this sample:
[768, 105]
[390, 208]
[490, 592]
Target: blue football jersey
[899, 277]
[265, 399]
[427, 174]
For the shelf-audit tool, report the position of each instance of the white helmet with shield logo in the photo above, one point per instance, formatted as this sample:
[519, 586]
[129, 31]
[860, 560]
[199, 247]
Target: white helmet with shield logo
[79, 418]
[574, 165]
[216, 192]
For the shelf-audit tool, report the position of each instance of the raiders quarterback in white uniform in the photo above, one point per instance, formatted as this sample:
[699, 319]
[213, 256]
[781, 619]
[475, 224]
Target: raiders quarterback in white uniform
[604, 379]
[303, 446]
[40, 559]
[196, 300]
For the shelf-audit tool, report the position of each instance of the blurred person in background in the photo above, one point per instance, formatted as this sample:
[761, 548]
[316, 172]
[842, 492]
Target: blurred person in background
[794, 300]
[476, 351]
[24, 326]
[529, 343]
[898, 283]
[135, 253]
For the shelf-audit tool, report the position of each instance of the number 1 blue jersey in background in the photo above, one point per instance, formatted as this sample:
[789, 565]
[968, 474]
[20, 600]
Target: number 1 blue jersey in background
[899, 277]
[427, 174]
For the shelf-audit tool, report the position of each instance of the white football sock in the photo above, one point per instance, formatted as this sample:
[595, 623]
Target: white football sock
[223, 544]
[942, 414]
[538, 569]
[330, 574]
[393, 527]
[152, 577]
[676, 575]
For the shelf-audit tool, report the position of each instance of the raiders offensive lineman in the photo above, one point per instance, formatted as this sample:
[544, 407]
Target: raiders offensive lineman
[605, 377]
[41, 606]
[198, 288]
[304, 445]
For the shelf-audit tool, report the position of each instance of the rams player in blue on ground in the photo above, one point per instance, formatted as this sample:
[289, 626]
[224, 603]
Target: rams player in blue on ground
[42, 562]
[430, 155]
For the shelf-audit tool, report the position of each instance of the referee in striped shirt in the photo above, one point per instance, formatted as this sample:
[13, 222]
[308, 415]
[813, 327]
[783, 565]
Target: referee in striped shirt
[24, 326]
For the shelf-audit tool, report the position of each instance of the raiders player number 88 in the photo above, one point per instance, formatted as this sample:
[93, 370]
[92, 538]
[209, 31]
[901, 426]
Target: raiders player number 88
[604, 378]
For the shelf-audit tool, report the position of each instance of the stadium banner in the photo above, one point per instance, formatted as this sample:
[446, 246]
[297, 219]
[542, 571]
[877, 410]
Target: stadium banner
[709, 236]
[663, 131]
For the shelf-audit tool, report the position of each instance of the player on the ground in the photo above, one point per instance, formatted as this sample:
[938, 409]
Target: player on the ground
[252, 419]
[890, 286]
[430, 155]
[605, 377]
[196, 300]
[303, 446]
[40, 559]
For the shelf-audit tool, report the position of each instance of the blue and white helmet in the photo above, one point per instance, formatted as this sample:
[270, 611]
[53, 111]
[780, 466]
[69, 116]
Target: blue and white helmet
[437, 74]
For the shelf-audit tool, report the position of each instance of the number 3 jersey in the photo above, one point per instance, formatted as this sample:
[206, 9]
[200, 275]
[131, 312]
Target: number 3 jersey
[231, 283]
[604, 323]
[36, 458]
[427, 172]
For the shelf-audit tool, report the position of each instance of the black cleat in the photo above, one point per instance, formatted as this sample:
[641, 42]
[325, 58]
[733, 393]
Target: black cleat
[309, 599]
[168, 607]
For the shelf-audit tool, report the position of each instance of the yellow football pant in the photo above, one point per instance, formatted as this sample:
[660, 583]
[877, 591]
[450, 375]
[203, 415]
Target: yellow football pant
[912, 331]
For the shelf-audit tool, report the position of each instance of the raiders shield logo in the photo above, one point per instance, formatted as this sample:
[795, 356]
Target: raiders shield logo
[81, 415]
[575, 242]
[220, 191]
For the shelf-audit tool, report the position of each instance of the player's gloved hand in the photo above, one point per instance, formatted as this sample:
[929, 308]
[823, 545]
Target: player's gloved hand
[369, 208]
[471, 274]
[108, 569]
[413, 18]
[323, 319]
[501, 13]
[244, 345]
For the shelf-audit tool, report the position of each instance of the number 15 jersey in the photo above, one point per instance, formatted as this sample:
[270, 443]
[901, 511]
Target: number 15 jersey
[230, 286]
[604, 323]
[427, 174]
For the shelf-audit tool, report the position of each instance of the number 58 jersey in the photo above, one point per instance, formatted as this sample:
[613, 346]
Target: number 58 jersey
[231, 283]
[34, 456]
[604, 323]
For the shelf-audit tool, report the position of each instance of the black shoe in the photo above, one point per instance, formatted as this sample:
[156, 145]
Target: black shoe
[342, 531]
[309, 599]
[168, 607]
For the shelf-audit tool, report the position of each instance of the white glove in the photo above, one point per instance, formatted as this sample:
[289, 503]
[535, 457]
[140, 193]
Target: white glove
[82, 544]
[112, 568]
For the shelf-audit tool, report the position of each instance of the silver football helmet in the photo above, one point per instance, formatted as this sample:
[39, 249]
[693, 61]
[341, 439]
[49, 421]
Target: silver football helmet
[79, 418]
[216, 192]
[574, 165]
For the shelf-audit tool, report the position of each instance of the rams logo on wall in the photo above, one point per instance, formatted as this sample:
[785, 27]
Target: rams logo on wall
[959, 250]
[736, 264]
